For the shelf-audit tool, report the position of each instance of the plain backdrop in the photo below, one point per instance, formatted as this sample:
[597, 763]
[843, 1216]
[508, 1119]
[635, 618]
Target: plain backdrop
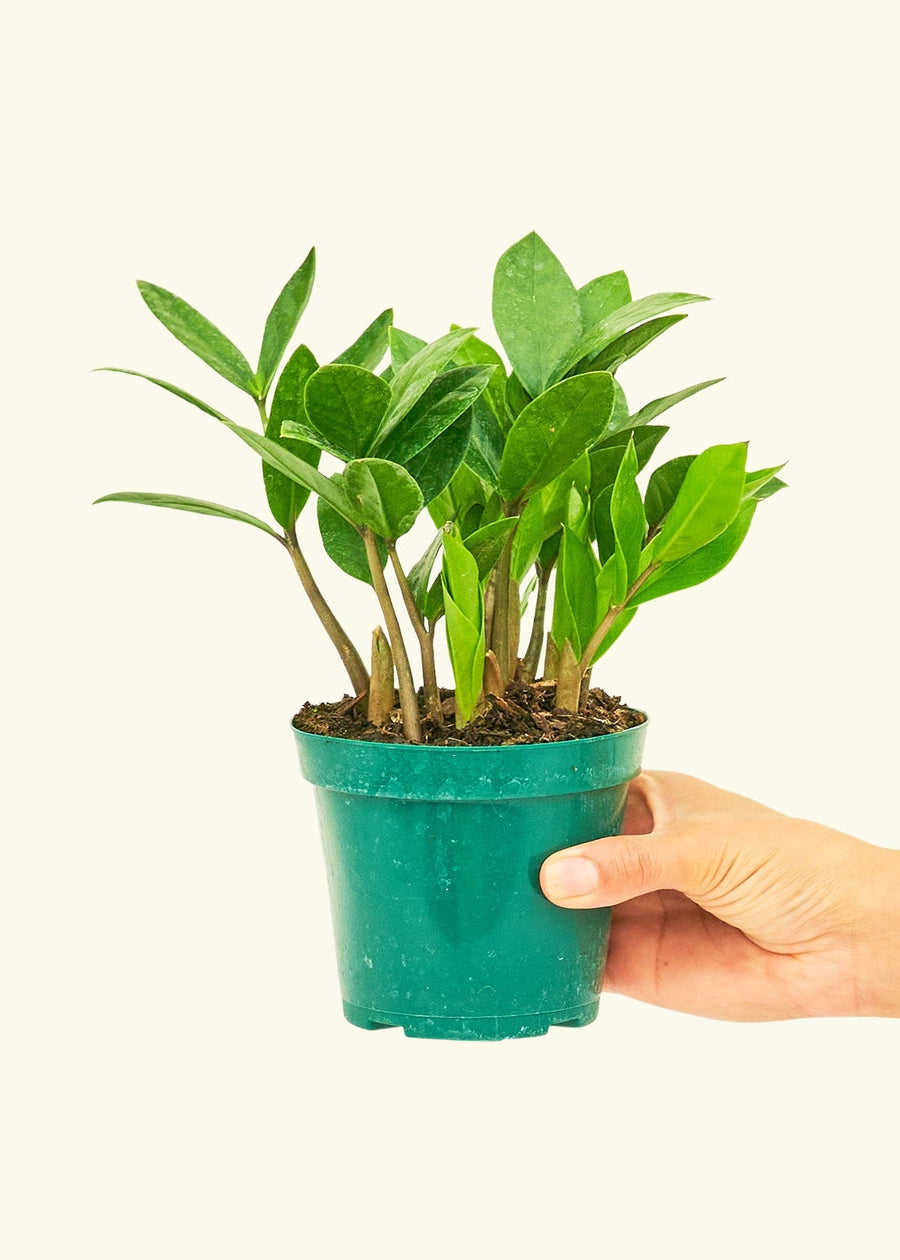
[177, 1078]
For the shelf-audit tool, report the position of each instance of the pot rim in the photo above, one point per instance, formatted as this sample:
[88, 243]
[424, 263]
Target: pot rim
[458, 749]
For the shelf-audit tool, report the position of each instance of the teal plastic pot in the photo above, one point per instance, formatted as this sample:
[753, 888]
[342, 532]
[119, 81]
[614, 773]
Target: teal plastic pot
[433, 856]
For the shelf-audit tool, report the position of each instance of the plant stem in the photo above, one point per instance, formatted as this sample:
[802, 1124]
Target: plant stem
[359, 676]
[532, 656]
[500, 622]
[587, 656]
[409, 705]
[426, 642]
[261, 407]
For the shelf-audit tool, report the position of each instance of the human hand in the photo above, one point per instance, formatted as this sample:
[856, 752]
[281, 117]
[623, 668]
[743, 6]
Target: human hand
[728, 909]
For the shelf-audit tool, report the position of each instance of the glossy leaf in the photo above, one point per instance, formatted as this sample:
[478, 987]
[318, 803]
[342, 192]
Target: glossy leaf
[529, 538]
[286, 498]
[283, 320]
[536, 311]
[403, 346]
[200, 336]
[771, 487]
[371, 345]
[659, 405]
[445, 399]
[604, 467]
[646, 439]
[552, 431]
[599, 298]
[628, 522]
[183, 504]
[486, 442]
[555, 497]
[596, 339]
[475, 351]
[434, 467]
[462, 492]
[756, 482]
[172, 389]
[601, 520]
[575, 601]
[623, 348]
[409, 383]
[384, 496]
[707, 501]
[663, 487]
[346, 405]
[487, 543]
[302, 472]
[702, 564]
[419, 575]
[345, 545]
[517, 399]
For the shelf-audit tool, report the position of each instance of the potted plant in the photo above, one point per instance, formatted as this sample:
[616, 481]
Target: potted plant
[437, 806]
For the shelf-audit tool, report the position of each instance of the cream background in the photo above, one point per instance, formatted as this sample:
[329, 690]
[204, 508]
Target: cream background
[177, 1080]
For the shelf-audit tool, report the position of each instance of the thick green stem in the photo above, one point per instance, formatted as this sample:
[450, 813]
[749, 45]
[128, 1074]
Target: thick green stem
[359, 676]
[409, 705]
[532, 656]
[426, 642]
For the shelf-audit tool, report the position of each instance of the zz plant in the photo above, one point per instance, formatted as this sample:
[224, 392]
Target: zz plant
[529, 474]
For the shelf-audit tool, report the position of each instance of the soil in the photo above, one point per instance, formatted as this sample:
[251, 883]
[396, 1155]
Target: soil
[524, 715]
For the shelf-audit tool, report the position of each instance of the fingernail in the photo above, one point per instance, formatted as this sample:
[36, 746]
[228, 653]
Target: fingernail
[569, 877]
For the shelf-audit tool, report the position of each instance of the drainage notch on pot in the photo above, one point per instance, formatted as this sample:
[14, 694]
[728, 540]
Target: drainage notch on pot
[433, 856]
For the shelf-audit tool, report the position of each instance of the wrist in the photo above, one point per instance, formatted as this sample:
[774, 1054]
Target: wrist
[877, 960]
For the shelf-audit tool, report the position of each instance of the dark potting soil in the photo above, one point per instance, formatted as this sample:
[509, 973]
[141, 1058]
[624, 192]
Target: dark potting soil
[524, 715]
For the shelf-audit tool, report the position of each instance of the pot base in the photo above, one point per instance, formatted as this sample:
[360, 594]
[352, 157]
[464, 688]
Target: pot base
[473, 1027]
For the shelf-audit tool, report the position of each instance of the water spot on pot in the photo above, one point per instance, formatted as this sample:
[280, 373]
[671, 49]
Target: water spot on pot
[486, 991]
[368, 961]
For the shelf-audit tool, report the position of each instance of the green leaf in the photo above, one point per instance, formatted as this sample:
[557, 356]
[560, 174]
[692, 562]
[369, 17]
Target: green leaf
[663, 487]
[555, 497]
[486, 442]
[701, 564]
[384, 496]
[617, 352]
[464, 611]
[283, 320]
[286, 498]
[200, 336]
[602, 525]
[371, 345]
[575, 600]
[172, 389]
[553, 430]
[646, 439]
[487, 543]
[413, 378]
[516, 399]
[345, 545]
[770, 488]
[707, 501]
[419, 575]
[463, 491]
[628, 521]
[187, 505]
[403, 346]
[301, 471]
[445, 399]
[599, 298]
[434, 467]
[477, 352]
[346, 405]
[596, 339]
[656, 408]
[604, 467]
[529, 538]
[536, 311]
[758, 481]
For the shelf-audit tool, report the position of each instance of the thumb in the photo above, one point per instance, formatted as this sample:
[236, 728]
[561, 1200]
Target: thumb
[662, 853]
